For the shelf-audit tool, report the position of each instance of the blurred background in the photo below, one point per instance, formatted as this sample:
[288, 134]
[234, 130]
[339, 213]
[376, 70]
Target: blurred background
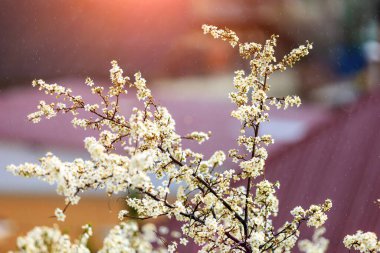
[329, 148]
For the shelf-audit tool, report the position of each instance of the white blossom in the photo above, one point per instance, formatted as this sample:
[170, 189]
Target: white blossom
[365, 242]
[59, 214]
[319, 244]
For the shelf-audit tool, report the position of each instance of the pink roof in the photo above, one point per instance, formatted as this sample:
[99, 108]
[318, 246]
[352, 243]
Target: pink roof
[340, 161]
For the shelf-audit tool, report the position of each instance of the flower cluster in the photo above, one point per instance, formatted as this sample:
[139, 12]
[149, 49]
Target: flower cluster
[288, 101]
[200, 137]
[224, 34]
[60, 215]
[127, 238]
[297, 54]
[44, 109]
[319, 244]
[365, 242]
[316, 214]
[220, 209]
[48, 240]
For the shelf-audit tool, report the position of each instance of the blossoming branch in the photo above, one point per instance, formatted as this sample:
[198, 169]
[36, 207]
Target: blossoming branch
[220, 209]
